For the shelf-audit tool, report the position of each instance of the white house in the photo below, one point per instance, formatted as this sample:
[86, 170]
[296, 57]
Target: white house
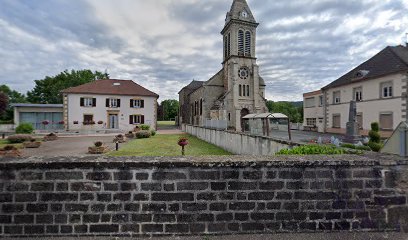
[109, 104]
[379, 86]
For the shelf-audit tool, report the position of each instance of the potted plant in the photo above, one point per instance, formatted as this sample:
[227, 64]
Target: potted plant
[130, 135]
[10, 151]
[45, 122]
[98, 148]
[119, 139]
[50, 137]
[61, 122]
[182, 142]
[32, 144]
[137, 129]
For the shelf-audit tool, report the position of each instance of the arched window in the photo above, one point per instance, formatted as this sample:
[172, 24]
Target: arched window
[225, 46]
[240, 42]
[247, 90]
[229, 44]
[240, 90]
[248, 43]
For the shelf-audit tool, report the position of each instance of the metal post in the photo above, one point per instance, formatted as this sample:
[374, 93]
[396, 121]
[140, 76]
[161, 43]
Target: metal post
[289, 133]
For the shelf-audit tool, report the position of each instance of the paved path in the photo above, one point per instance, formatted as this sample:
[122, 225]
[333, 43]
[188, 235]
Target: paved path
[68, 146]
[296, 236]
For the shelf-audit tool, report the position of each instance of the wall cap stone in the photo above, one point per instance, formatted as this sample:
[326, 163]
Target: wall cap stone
[369, 159]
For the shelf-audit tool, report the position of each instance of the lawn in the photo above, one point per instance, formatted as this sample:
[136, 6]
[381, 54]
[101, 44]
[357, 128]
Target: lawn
[166, 145]
[4, 142]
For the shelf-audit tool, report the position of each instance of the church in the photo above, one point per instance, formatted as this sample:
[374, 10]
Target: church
[237, 89]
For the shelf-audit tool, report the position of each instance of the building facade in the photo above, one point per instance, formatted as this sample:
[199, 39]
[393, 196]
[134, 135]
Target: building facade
[237, 89]
[379, 86]
[109, 105]
[47, 117]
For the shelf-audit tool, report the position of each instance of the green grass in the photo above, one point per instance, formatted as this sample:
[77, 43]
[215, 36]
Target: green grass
[4, 142]
[166, 145]
[166, 123]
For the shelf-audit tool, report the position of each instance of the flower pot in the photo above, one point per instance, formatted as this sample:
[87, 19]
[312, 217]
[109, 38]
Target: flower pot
[182, 144]
[97, 150]
[32, 144]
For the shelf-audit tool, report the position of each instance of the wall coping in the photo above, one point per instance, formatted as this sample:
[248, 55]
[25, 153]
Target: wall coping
[369, 159]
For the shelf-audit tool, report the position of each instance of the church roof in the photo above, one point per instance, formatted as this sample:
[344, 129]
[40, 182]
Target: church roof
[388, 61]
[236, 12]
[194, 85]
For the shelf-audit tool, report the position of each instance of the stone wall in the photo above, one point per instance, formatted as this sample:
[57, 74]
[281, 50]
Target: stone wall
[228, 195]
[239, 143]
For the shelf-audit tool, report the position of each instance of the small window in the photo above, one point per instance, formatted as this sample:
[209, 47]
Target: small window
[336, 121]
[358, 94]
[229, 116]
[136, 119]
[226, 46]
[310, 102]
[112, 103]
[247, 90]
[136, 103]
[387, 90]
[201, 107]
[311, 121]
[336, 97]
[88, 102]
[240, 90]
[88, 119]
[229, 44]
[320, 101]
[386, 121]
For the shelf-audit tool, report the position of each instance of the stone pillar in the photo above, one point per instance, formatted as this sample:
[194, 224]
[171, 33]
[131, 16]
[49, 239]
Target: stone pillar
[352, 133]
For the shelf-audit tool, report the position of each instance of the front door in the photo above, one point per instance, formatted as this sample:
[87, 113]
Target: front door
[113, 121]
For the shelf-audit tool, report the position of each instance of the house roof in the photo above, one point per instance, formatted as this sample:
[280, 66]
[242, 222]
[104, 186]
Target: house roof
[112, 87]
[390, 60]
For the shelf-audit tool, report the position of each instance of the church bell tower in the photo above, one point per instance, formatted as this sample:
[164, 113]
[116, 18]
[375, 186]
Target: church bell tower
[241, 73]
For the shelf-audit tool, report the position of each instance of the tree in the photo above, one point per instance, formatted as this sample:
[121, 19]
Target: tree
[3, 103]
[170, 109]
[48, 90]
[13, 97]
[294, 113]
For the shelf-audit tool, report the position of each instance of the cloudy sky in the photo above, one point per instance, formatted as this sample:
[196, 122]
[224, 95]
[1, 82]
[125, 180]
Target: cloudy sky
[164, 44]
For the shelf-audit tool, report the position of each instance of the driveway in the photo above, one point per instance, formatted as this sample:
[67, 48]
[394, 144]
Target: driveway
[68, 146]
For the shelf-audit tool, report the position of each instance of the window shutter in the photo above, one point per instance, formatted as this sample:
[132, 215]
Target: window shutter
[142, 119]
[81, 102]
[130, 119]
[141, 103]
[118, 103]
[107, 102]
[131, 103]
[94, 102]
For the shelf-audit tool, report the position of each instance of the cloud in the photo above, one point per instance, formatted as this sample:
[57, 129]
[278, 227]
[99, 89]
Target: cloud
[302, 45]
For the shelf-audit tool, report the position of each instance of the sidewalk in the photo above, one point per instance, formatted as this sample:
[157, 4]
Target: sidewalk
[298, 236]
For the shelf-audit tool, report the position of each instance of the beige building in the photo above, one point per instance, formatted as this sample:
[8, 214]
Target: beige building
[109, 104]
[379, 86]
[237, 89]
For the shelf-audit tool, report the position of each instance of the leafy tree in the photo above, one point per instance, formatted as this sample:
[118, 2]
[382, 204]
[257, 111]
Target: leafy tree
[170, 109]
[3, 103]
[48, 90]
[13, 97]
[295, 113]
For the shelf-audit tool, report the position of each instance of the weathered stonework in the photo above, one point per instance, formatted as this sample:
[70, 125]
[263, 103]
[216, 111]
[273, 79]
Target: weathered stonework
[93, 196]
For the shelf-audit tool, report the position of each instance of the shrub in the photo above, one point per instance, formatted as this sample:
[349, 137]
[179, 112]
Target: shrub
[364, 148]
[153, 132]
[375, 138]
[51, 135]
[98, 144]
[9, 148]
[24, 128]
[312, 150]
[145, 127]
[143, 134]
[348, 145]
[19, 138]
[375, 127]
[376, 147]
